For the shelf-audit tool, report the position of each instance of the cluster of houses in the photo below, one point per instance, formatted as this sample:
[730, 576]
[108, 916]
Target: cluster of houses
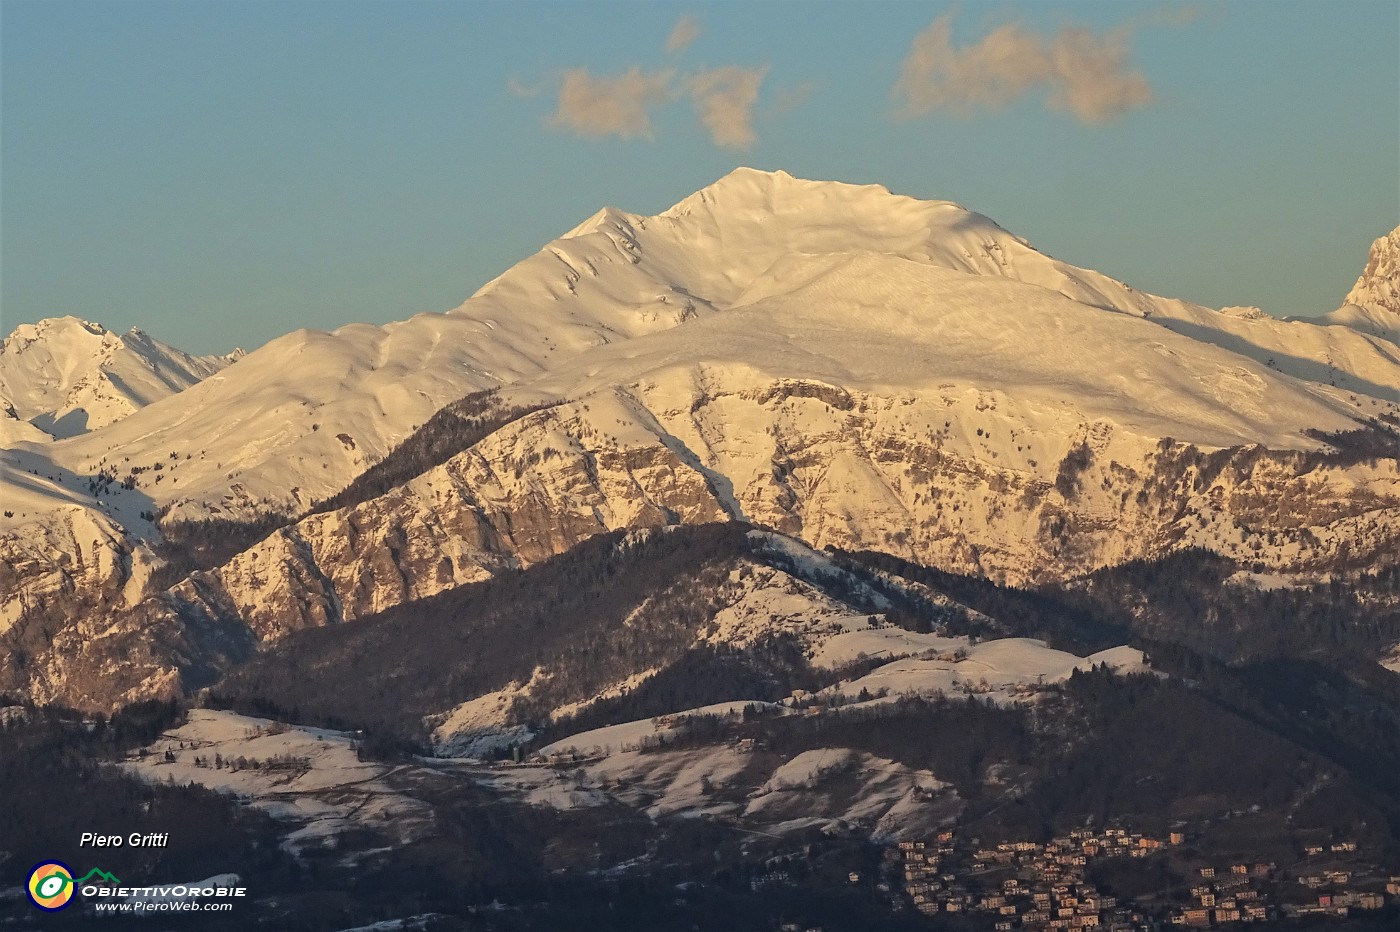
[1335, 904]
[1334, 888]
[1228, 896]
[1231, 896]
[1043, 886]
[1022, 884]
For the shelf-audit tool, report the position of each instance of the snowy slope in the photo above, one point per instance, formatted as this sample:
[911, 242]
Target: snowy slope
[759, 602]
[630, 736]
[720, 240]
[311, 781]
[1000, 671]
[70, 376]
[311, 777]
[922, 329]
[834, 789]
[1352, 350]
[291, 422]
[1374, 321]
[79, 549]
[14, 429]
[299, 418]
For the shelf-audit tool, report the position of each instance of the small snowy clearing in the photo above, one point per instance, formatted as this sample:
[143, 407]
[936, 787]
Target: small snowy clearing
[632, 735]
[310, 776]
[1005, 671]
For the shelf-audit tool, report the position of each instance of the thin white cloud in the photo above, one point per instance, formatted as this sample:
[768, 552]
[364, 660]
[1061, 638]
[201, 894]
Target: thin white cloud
[617, 105]
[1087, 74]
[686, 31]
[724, 100]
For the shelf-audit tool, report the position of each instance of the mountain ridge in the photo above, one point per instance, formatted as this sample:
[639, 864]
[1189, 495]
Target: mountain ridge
[840, 364]
[628, 277]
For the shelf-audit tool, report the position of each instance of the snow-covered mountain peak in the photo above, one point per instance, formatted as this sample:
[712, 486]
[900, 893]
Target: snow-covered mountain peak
[761, 216]
[753, 189]
[721, 240]
[619, 275]
[67, 329]
[1373, 304]
[67, 376]
[1378, 288]
[747, 269]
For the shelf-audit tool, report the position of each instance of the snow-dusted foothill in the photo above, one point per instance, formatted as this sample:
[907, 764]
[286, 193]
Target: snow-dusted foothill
[311, 778]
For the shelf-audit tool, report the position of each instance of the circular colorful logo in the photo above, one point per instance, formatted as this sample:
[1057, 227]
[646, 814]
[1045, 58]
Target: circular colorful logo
[50, 885]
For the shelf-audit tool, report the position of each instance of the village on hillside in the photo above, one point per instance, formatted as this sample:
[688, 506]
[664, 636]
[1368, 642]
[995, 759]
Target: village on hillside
[1047, 886]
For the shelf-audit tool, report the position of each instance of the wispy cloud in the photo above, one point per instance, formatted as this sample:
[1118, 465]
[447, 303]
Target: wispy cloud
[1096, 84]
[724, 99]
[686, 31]
[622, 105]
[1087, 74]
[617, 105]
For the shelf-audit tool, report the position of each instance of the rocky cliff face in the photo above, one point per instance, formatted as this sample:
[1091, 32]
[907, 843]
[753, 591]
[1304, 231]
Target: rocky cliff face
[524, 494]
[71, 583]
[1379, 284]
[1373, 304]
[909, 476]
[966, 483]
[81, 558]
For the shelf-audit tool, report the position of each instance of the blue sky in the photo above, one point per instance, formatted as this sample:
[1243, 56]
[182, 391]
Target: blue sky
[221, 173]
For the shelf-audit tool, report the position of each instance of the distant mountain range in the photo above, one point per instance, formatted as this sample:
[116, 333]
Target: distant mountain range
[841, 366]
[66, 376]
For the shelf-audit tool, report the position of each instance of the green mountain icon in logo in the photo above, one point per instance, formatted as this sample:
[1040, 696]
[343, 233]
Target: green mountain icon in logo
[100, 874]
